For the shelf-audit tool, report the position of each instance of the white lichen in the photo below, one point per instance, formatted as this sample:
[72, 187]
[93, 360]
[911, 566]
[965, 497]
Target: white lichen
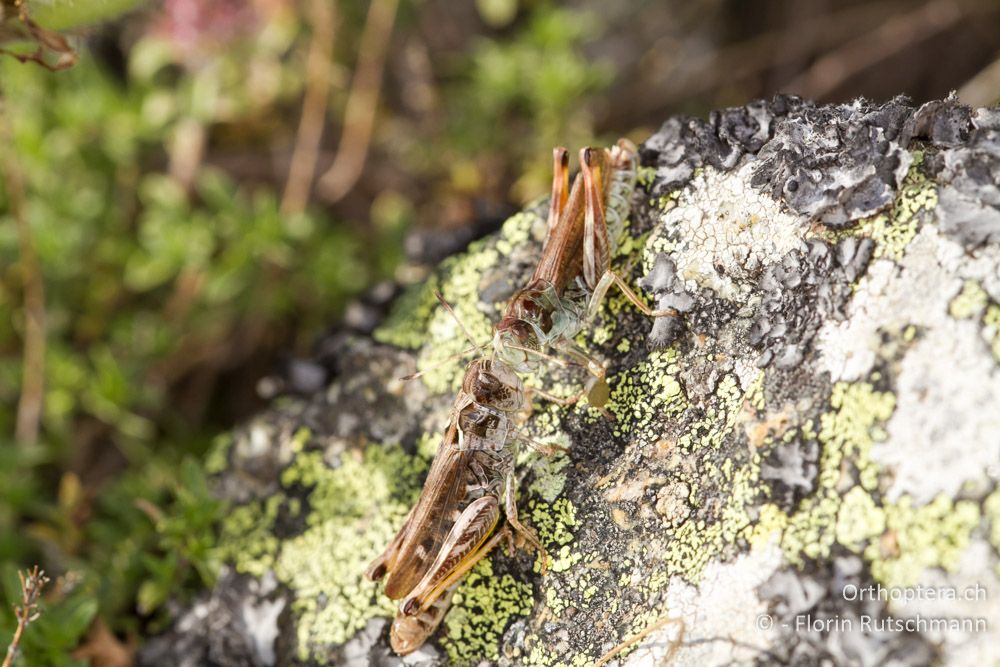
[725, 622]
[728, 232]
[946, 384]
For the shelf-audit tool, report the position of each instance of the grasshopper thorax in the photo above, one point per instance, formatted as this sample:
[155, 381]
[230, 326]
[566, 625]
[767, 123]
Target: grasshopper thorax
[495, 384]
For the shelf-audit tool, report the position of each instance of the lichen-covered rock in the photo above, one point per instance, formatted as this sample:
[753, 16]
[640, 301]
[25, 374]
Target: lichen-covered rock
[801, 469]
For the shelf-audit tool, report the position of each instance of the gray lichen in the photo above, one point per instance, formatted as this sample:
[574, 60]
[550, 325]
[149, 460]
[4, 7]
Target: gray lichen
[670, 293]
[839, 163]
[809, 287]
[970, 173]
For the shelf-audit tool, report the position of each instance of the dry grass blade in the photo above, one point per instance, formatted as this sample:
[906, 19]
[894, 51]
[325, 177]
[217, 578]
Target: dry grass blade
[632, 641]
[29, 407]
[359, 115]
[32, 583]
[319, 67]
[984, 88]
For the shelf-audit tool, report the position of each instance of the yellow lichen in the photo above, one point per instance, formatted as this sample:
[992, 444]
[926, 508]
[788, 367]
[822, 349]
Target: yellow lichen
[649, 390]
[933, 535]
[991, 322]
[846, 435]
[354, 510]
[969, 302]
[894, 230]
[482, 608]
[247, 540]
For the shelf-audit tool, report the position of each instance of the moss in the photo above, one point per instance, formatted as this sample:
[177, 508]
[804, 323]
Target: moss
[482, 608]
[893, 231]
[218, 454]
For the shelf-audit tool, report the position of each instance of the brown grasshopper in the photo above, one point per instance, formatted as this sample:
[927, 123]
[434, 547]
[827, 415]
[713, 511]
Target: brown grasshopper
[581, 233]
[449, 529]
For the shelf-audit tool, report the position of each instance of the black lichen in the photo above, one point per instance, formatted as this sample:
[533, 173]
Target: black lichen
[805, 289]
[836, 164]
[663, 282]
[683, 144]
[942, 122]
[969, 199]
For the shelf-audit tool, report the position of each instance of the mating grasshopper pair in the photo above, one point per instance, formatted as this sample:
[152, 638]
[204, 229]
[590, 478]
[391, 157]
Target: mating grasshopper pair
[449, 529]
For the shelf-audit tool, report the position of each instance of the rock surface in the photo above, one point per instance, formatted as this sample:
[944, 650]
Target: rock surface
[798, 470]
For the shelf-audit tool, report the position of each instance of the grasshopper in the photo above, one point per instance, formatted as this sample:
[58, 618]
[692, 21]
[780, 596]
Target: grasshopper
[448, 531]
[452, 525]
[581, 233]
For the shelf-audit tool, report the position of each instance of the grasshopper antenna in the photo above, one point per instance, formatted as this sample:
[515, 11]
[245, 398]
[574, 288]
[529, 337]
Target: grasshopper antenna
[458, 355]
[447, 360]
[451, 311]
[562, 363]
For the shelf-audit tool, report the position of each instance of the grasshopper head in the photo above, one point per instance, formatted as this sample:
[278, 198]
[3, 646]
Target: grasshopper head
[409, 633]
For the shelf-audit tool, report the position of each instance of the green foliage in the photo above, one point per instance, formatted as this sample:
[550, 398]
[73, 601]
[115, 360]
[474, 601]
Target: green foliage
[523, 95]
[147, 283]
[159, 279]
[58, 629]
[63, 14]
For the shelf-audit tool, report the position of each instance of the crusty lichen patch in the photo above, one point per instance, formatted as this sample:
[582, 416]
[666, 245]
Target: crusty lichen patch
[423, 324]
[970, 302]
[991, 329]
[247, 537]
[892, 231]
[722, 232]
[332, 599]
[352, 511]
[650, 390]
[482, 608]
[713, 474]
[917, 538]
[846, 433]
[991, 509]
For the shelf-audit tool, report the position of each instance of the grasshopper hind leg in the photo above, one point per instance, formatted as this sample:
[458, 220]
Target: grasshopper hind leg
[525, 533]
[386, 562]
[409, 633]
[601, 290]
